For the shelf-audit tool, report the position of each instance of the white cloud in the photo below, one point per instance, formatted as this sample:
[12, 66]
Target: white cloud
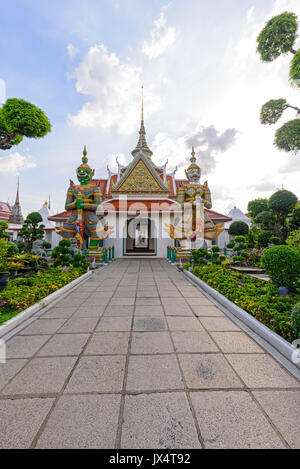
[265, 186]
[15, 162]
[162, 37]
[208, 143]
[72, 50]
[115, 92]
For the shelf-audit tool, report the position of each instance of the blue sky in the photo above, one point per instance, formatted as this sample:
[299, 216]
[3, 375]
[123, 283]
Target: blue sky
[83, 63]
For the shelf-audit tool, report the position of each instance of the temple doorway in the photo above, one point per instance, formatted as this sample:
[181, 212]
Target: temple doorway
[140, 237]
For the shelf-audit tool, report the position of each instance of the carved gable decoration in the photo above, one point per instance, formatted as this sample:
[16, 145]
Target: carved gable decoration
[141, 179]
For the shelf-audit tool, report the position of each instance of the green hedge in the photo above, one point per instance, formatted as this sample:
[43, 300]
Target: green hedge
[257, 297]
[22, 293]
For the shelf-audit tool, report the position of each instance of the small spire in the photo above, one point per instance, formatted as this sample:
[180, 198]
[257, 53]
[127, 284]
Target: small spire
[142, 143]
[193, 159]
[17, 196]
[49, 203]
[84, 158]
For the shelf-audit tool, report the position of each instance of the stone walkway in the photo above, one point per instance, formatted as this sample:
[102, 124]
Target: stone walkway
[137, 357]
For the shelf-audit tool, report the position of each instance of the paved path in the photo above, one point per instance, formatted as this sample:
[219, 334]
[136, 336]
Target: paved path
[137, 357]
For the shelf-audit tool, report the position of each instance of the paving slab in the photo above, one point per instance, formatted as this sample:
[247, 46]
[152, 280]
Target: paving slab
[24, 346]
[21, 420]
[82, 422]
[108, 343]
[202, 371]
[261, 371]
[111, 324]
[119, 311]
[158, 421]
[89, 312]
[153, 372]
[77, 325]
[193, 342]
[218, 324]
[34, 380]
[149, 311]
[208, 310]
[151, 343]
[231, 420]
[184, 324]
[9, 369]
[57, 313]
[64, 345]
[43, 326]
[236, 342]
[283, 408]
[98, 374]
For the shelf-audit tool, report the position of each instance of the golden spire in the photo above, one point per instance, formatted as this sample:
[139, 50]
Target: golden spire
[193, 159]
[84, 158]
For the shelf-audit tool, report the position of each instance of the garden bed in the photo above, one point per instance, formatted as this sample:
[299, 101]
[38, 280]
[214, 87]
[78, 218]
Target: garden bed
[23, 293]
[255, 296]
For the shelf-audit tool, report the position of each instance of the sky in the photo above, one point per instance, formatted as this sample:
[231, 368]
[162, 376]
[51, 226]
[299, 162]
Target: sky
[83, 63]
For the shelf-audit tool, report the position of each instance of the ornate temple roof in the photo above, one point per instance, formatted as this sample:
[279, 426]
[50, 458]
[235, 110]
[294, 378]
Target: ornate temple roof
[5, 211]
[16, 217]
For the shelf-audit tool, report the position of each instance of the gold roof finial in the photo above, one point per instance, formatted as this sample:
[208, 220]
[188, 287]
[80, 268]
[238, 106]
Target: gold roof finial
[84, 158]
[193, 159]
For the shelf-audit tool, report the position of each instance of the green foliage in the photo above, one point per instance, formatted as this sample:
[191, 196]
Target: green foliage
[186, 265]
[238, 228]
[294, 219]
[230, 245]
[22, 293]
[296, 320]
[283, 265]
[275, 240]
[264, 238]
[3, 255]
[199, 257]
[266, 219]
[18, 119]
[257, 206]
[277, 37]
[295, 70]
[287, 137]
[215, 249]
[272, 111]
[3, 228]
[259, 298]
[282, 202]
[32, 230]
[240, 239]
[46, 245]
[64, 257]
[293, 240]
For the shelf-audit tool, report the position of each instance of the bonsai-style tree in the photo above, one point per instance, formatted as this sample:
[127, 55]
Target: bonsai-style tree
[282, 203]
[238, 228]
[32, 230]
[3, 228]
[19, 119]
[278, 37]
[257, 206]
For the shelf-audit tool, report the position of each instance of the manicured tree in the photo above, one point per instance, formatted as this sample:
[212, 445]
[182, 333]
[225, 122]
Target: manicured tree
[18, 119]
[32, 230]
[283, 265]
[3, 228]
[293, 240]
[238, 228]
[294, 219]
[282, 203]
[266, 220]
[278, 37]
[257, 206]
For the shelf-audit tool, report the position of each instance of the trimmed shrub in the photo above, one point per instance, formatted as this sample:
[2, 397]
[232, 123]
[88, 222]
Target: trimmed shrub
[230, 245]
[238, 228]
[283, 265]
[186, 265]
